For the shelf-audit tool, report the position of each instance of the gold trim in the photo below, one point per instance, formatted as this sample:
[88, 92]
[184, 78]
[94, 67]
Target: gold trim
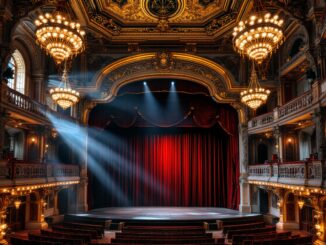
[124, 62]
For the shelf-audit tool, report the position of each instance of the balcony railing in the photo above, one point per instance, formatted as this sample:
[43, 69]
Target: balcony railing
[291, 173]
[262, 120]
[36, 171]
[13, 98]
[24, 102]
[294, 107]
[298, 104]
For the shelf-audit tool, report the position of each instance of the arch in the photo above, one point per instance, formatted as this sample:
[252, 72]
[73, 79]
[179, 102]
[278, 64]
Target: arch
[299, 33]
[296, 47]
[17, 64]
[219, 81]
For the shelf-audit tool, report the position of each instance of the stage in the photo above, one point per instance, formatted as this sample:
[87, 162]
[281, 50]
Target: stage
[150, 215]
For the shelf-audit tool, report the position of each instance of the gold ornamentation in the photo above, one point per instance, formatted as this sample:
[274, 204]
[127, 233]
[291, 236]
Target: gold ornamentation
[255, 95]
[258, 36]
[58, 36]
[163, 61]
[63, 95]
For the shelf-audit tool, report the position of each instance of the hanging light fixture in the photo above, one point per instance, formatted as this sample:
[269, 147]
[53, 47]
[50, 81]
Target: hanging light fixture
[17, 203]
[63, 95]
[301, 203]
[254, 96]
[59, 36]
[259, 35]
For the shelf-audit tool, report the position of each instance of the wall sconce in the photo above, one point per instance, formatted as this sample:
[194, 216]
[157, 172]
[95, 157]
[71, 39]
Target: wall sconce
[17, 203]
[301, 203]
[3, 228]
[33, 140]
[289, 140]
[318, 229]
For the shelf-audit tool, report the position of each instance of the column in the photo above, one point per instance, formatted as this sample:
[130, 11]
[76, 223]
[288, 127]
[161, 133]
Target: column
[55, 202]
[3, 119]
[82, 204]
[319, 120]
[4, 203]
[39, 87]
[40, 222]
[281, 204]
[278, 147]
[244, 184]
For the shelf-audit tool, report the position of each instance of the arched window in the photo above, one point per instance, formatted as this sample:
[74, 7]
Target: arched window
[17, 64]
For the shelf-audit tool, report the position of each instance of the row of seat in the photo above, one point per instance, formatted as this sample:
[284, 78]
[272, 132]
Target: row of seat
[253, 231]
[67, 233]
[164, 235]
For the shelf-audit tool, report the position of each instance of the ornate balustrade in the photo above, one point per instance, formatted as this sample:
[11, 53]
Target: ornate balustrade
[298, 104]
[24, 102]
[262, 120]
[13, 173]
[13, 99]
[291, 173]
[288, 111]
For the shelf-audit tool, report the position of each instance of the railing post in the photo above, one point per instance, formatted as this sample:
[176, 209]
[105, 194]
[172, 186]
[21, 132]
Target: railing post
[306, 169]
[275, 113]
[315, 91]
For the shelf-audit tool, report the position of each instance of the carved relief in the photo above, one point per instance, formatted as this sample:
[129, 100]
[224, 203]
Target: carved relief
[148, 11]
[165, 62]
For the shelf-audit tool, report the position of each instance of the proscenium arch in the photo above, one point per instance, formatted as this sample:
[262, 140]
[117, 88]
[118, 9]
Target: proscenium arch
[224, 78]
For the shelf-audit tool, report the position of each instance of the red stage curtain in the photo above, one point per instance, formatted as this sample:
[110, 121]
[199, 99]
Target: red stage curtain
[168, 167]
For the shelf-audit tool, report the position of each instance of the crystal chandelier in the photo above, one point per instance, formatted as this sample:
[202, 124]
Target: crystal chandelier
[63, 95]
[254, 96]
[58, 36]
[258, 36]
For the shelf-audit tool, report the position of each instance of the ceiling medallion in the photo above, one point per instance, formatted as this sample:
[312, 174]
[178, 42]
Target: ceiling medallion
[163, 8]
[259, 35]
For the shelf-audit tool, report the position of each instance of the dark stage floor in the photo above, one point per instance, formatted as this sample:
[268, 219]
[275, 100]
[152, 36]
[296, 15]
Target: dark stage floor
[162, 214]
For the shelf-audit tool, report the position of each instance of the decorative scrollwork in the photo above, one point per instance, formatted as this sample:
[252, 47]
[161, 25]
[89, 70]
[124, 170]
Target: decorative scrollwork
[162, 8]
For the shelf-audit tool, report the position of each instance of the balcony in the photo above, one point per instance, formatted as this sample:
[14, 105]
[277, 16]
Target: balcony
[308, 174]
[25, 174]
[23, 106]
[298, 107]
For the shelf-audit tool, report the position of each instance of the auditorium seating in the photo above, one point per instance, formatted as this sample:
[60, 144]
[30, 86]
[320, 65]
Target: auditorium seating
[237, 232]
[164, 235]
[253, 231]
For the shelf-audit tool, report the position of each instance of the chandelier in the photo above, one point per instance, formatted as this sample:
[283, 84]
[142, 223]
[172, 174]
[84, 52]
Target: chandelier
[58, 36]
[254, 96]
[63, 95]
[258, 36]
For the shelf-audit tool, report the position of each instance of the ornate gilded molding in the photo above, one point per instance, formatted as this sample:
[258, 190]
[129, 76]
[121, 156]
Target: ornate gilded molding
[172, 65]
[122, 20]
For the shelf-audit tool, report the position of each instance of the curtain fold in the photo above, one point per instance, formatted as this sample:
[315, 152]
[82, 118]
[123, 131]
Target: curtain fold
[166, 167]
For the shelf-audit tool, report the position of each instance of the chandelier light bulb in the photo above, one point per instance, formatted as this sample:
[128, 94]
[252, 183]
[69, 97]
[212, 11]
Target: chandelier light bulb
[63, 95]
[255, 95]
[258, 36]
[60, 38]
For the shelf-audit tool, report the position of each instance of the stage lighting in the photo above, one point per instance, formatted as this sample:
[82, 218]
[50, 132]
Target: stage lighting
[172, 83]
[145, 83]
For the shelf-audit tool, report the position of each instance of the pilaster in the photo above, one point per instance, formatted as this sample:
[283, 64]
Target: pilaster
[244, 184]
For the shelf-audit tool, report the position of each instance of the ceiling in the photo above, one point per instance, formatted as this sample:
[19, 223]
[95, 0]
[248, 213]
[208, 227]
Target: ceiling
[133, 20]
